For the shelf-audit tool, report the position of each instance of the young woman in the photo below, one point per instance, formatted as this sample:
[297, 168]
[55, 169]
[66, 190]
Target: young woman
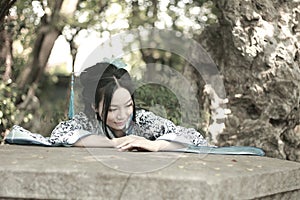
[110, 118]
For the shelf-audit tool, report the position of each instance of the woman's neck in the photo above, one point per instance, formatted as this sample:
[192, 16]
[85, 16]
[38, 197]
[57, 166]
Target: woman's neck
[118, 133]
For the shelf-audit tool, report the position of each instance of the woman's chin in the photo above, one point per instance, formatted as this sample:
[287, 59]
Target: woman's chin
[118, 128]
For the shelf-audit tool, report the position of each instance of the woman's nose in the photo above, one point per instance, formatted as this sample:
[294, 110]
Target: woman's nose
[122, 114]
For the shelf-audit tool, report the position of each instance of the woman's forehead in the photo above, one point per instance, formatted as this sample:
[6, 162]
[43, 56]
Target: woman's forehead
[121, 97]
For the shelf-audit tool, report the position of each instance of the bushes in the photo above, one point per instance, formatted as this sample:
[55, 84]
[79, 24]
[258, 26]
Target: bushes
[159, 100]
[9, 111]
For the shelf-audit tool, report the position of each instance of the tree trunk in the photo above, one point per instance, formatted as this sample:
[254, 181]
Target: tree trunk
[39, 58]
[5, 5]
[256, 45]
[6, 58]
[6, 39]
[46, 36]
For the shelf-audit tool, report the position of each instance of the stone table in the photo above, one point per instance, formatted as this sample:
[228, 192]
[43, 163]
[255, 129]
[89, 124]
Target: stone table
[106, 173]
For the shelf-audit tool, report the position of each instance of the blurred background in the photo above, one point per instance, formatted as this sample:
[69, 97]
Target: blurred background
[255, 46]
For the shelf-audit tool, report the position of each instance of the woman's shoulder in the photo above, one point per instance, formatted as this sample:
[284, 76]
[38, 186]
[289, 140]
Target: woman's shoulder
[142, 113]
[81, 116]
[145, 116]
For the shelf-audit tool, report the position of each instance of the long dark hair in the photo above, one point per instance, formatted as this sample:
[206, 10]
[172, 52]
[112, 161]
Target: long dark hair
[107, 77]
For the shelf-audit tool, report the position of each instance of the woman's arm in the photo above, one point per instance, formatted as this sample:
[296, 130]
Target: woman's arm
[132, 142]
[127, 143]
[94, 141]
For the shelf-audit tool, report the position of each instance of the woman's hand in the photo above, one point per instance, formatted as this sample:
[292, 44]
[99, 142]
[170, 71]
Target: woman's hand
[133, 142]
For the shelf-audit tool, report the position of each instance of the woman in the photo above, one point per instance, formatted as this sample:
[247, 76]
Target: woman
[110, 118]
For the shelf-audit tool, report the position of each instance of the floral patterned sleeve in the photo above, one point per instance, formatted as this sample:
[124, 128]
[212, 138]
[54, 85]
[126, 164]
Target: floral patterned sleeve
[66, 133]
[157, 128]
[69, 132]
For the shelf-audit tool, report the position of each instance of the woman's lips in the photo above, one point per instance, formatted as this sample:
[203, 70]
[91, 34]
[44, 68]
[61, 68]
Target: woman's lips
[120, 123]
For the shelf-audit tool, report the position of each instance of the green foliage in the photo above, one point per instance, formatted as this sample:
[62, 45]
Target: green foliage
[53, 100]
[163, 102]
[188, 17]
[8, 110]
[40, 115]
[160, 100]
[25, 23]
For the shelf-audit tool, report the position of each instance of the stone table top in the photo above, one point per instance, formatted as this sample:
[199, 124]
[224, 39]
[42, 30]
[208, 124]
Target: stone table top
[105, 173]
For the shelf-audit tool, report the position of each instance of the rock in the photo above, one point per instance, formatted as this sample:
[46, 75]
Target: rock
[256, 46]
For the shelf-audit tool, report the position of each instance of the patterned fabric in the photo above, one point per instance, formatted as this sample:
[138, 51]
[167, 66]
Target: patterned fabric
[68, 132]
[147, 125]
[19, 135]
[155, 127]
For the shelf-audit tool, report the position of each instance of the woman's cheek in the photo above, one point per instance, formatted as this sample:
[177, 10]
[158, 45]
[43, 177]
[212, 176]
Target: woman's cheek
[111, 116]
[130, 110]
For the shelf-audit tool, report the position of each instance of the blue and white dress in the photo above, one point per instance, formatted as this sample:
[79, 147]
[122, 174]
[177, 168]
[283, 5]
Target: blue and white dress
[147, 125]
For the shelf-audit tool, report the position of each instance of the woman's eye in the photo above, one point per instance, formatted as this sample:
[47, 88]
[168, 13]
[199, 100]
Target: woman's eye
[129, 105]
[112, 110]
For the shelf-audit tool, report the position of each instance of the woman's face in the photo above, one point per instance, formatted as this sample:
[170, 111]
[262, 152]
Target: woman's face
[120, 109]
